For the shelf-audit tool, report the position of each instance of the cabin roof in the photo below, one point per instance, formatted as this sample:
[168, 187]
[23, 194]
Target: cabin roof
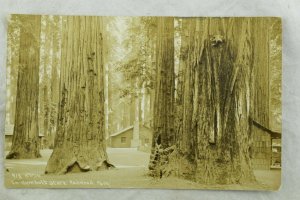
[122, 131]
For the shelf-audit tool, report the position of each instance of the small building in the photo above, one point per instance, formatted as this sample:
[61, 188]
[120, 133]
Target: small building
[145, 139]
[9, 130]
[261, 152]
[276, 153]
[124, 138]
[266, 148]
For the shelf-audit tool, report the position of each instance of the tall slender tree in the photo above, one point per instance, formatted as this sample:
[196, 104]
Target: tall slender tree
[80, 139]
[46, 64]
[25, 142]
[163, 124]
[56, 38]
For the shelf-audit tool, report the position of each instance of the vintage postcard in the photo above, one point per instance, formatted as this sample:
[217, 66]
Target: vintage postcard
[143, 102]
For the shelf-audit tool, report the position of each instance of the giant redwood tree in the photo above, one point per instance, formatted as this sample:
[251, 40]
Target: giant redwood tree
[217, 105]
[212, 142]
[80, 140]
[25, 141]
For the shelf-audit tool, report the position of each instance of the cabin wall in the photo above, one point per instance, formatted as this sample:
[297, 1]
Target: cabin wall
[8, 142]
[116, 141]
[261, 155]
[145, 139]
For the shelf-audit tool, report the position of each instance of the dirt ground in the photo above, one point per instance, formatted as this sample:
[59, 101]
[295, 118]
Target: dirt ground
[130, 172]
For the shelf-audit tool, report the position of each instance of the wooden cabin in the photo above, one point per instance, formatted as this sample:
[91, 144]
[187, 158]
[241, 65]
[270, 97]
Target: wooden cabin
[124, 138]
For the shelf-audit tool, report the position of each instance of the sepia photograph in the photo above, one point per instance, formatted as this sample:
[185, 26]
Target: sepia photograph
[143, 102]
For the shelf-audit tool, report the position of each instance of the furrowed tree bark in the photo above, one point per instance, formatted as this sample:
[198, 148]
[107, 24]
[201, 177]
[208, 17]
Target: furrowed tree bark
[25, 142]
[163, 122]
[216, 105]
[80, 138]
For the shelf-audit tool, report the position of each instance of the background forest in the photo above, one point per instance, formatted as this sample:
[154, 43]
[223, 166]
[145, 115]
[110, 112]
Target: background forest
[153, 98]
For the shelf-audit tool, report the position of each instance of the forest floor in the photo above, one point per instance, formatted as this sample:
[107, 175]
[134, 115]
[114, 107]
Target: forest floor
[130, 172]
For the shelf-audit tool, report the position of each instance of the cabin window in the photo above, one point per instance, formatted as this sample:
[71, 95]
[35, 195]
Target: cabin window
[123, 139]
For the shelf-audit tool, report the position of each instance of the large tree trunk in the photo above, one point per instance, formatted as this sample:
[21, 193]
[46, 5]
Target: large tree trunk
[163, 136]
[80, 138]
[216, 108]
[25, 142]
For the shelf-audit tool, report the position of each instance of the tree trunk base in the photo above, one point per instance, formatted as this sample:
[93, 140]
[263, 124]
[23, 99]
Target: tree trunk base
[68, 160]
[216, 172]
[169, 162]
[22, 155]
